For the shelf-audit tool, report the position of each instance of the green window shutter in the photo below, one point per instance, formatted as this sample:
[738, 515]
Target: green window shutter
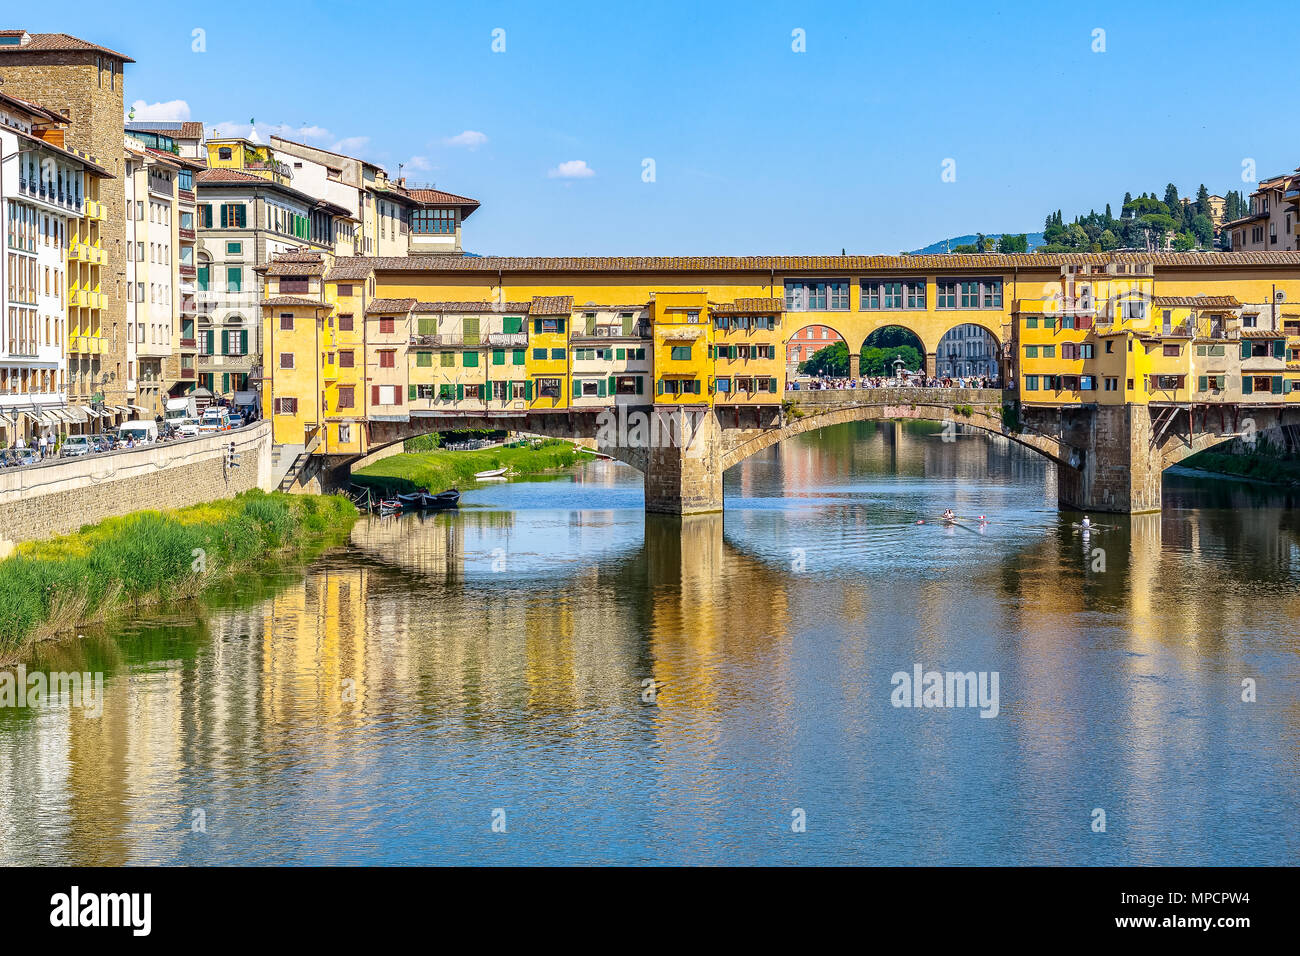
[225, 342]
[471, 329]
[611, 385]
[773, 385]
[446, 359]
[512, 324]
[591, 323]
[1247, 385]
[577, 387]
[1202, 384]
[225, 381]
[1277, 384]
[1279, 348]
[557, 355]
[627, 325]
[559, 327]
[528, 390]
[211, 343]
[600, 388]
[498, 356]
[537, 326]
[620, 354]
[520, 356]
[1245, 349]
[423, 359]
[243, 342]
[640, 384]
[410, 392]
[460, 391]
[203, 273]
[661, 386]
[426, 325]
[470, 359]
[539, 355]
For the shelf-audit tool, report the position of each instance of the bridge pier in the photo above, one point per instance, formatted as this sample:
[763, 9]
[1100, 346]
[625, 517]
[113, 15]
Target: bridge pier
[1120, 470]
[855, 364]
[683, 474]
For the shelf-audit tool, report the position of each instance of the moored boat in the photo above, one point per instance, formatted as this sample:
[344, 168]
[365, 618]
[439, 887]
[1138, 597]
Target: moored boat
[496, 473]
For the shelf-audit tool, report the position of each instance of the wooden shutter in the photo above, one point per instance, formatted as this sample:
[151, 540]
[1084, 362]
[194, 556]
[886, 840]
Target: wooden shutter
[410, 392]
[600, 388]
[1202, 383]
[460, 391]
[537, 326]
[1277, 384]
[640, 384]
[225, 342]
[374, 394]
[1279, 349]
[627, 325]
[1245, 349]
[528, 390]
[612, 389]
[1247, 384]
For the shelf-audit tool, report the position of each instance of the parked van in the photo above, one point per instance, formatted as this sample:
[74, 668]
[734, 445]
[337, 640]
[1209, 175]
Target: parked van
[214, 419]
[138, 431]
[179, 409]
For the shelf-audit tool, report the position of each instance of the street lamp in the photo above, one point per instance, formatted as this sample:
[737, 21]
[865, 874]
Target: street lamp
[898, 367]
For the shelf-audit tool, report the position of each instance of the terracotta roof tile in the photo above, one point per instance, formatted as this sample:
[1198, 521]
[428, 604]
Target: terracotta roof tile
[827, 265]
[1262, 334]
[748, 307]
[434, 197]
[35, 108]
[552, 305]
[471, 307]
[380, 306]
[350, 268]
[55, 42]
[286, 300]
[1197, 301]
[189, 129]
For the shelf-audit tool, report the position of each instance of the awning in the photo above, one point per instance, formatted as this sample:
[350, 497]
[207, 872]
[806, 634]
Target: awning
[67, 415]
[138, 410]
[76, 414]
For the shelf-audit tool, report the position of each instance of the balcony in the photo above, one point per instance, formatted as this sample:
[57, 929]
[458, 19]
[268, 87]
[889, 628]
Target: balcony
[186, 235]
[187, 374]
[448, 341]
[189, 343]
[506, 339]
[185, 195]
[188, 272]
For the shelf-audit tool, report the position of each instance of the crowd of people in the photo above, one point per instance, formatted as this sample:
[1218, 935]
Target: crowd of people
[913, 381]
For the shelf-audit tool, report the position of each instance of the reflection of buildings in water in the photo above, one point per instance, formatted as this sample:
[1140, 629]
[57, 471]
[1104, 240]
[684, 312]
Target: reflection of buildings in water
[431, 545]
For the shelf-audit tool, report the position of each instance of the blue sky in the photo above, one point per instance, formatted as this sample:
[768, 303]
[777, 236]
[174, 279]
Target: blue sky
[757, 149]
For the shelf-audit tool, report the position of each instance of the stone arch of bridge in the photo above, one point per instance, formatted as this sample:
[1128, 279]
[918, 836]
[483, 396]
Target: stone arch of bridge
[1046, 445]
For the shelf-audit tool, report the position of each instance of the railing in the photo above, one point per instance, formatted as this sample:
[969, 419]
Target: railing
[189, 343]
[188, 234]
[518, 339]
[451, 341]
[189, 272]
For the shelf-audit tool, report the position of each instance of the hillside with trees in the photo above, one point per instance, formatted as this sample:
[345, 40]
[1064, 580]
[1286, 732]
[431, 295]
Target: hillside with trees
[1145, 222]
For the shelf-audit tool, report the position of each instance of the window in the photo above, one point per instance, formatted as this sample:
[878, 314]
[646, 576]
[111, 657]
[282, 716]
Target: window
[970, 294]
[892, 294]
[234, 248]
[1031, 351]
[1133, 309]
[539, 355]
[433, 222]
[347, 359]
[517, 358]
[234, 278]
[423, 359]
[286, 406]
[233, 216]
[557, 355]
[223, 152]
[286, 322]
[387, 358]
[816, 295]
[1172, 350]
[286, 360]
[346, 399]
[681, 353]
[387, 326]
[470, 359]
[548, 387]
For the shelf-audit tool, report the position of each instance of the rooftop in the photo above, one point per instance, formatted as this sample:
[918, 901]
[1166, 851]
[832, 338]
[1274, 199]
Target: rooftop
[51, 43]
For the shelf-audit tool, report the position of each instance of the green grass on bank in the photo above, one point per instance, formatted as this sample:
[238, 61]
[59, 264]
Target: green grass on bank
[440, 470]
[48, 587]
[1257, 467]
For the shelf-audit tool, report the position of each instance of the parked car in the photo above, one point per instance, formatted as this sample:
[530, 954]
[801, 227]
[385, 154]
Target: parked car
[104, 442]
[187, 427]
[214, 420]
[13, 457]
[74, 446]
[138, 432]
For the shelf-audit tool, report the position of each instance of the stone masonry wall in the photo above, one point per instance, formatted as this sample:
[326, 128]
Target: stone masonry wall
[57, 498]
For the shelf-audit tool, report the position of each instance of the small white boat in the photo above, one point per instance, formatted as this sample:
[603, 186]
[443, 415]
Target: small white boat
[481, 475]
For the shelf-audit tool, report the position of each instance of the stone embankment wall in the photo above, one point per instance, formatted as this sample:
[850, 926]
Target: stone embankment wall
[61, 495]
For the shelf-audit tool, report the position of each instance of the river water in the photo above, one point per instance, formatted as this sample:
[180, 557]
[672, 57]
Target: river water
[551, 676]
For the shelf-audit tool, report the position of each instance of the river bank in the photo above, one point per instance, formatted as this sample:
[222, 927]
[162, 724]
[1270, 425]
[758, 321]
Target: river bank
[48, 588]
[440, 470]
[1273, 471]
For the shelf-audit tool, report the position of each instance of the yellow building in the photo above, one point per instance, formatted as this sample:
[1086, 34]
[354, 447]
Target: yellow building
[683, 348]
[1070, 329]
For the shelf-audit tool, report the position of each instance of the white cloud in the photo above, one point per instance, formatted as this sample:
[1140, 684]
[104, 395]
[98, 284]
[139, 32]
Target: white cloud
[470, 139]
[419, 162]
[350, 145]
[572, 169]
[266, 130]
[173, 111]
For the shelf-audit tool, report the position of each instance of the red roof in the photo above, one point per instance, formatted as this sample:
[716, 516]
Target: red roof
[54, 42]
